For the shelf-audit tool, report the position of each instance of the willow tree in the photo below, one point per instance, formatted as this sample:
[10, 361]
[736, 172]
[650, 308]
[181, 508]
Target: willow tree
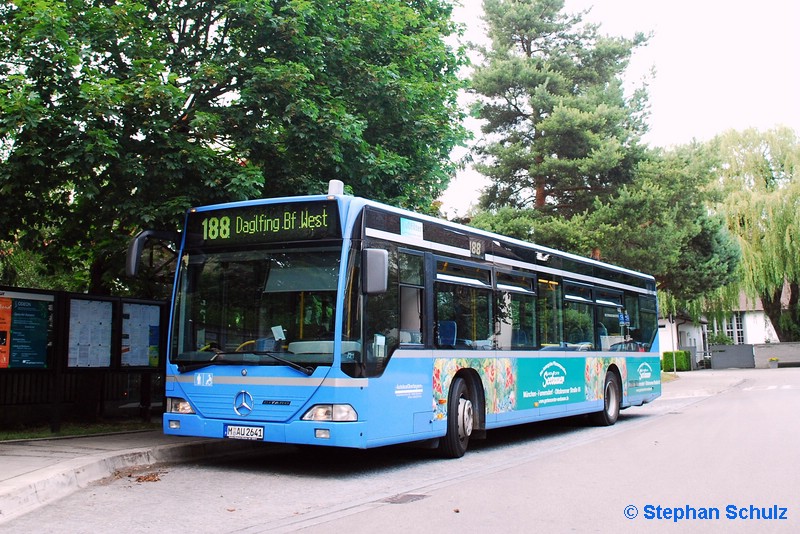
[561, 131]
[760, 181]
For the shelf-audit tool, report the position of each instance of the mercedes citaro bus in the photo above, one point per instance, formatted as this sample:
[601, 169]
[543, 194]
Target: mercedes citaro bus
[336, 320]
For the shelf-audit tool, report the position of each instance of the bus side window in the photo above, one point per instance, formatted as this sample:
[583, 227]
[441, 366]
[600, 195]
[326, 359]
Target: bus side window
[579, 324]
[463, 296]
[412, 281]
[353, 362]
[410, 315]
[516, 311]
[608, 307]
[648, 322]
[550, 319]
[381, 322]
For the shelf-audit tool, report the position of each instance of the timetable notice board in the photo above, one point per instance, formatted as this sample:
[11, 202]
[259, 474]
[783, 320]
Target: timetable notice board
[25, 326]
[140, 335]
[90, 327]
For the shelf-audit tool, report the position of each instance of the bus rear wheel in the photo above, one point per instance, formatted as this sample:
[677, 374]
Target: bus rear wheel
[460, 420]
[612, 394]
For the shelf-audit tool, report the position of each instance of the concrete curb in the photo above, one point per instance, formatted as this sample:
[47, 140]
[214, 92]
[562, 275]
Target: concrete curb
[49, 484]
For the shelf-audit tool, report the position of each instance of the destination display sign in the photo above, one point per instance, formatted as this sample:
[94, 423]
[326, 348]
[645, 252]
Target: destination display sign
[264, 223]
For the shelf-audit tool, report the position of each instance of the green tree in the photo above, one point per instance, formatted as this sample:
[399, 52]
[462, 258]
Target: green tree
[659, 224]
[759, 178]
[564, 156]
[120, 115]
[560, 131]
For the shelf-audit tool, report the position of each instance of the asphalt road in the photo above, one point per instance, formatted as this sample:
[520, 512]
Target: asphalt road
[718, 449]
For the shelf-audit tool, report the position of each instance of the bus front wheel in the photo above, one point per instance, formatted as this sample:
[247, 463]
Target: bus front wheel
[612, 393]
[460, 420]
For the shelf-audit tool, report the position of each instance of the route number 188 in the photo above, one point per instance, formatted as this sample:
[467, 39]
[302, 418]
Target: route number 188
[476, 248]
[216, 228]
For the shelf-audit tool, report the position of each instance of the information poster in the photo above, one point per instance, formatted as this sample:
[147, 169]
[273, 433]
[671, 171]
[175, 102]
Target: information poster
[5, 332]
[90, 329]
[140, 335]
[25, 326]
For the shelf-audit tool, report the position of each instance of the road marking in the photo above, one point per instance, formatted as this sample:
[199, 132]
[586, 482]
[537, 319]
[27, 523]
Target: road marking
[771, 388]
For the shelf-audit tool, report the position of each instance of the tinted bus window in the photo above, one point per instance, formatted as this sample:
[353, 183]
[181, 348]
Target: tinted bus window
[381, 320]
[412, 280]
[609, 330]
[463, 306]
[648, 328]
[516, 311]
[551, 326]
[578, 317]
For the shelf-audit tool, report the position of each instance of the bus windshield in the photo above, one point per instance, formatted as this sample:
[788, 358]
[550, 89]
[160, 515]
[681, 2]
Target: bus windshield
[256, 307]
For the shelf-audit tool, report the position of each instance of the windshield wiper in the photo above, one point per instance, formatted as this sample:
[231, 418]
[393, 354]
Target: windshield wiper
[184, 367]
[193, 366]
[308, 371]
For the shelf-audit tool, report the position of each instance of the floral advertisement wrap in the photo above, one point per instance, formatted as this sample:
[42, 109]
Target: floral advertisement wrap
[498, 376]
[596, 374]
[512, 383]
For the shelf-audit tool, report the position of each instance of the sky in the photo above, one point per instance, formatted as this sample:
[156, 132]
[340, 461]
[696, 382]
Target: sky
[719, 65]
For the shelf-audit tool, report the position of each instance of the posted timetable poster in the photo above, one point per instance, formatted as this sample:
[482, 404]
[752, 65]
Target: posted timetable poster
[5, 332]
[25, 327]
[140, 335]
[90, 323]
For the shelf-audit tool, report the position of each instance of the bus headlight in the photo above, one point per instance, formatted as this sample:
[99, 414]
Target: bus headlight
[330, 412]
[178, 405]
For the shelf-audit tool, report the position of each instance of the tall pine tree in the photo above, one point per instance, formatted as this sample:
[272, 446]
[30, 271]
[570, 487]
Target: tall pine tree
[560, 130]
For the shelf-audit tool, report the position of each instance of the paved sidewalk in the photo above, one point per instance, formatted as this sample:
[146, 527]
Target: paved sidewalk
[704, 383]
[34, 473]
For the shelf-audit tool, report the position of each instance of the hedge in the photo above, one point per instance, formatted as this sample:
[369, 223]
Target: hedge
[682, 361]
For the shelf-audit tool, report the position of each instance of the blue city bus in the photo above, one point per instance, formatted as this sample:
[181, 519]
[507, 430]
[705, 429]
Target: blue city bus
[336, 320]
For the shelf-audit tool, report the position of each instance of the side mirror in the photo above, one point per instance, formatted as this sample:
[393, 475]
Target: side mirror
[138, 243]
[375, 270]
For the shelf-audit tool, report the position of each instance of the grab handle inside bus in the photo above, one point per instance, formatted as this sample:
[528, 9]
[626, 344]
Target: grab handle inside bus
[138, 243]
[375, 270]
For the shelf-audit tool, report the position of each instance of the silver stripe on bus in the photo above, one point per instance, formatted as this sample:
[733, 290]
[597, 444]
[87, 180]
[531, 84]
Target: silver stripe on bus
[567, 274]
[278, 381]
[410, 240]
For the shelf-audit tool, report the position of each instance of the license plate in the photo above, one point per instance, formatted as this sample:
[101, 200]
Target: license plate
[244, 432]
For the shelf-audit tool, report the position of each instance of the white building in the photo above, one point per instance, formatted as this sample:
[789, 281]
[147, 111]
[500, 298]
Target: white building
[747, 325]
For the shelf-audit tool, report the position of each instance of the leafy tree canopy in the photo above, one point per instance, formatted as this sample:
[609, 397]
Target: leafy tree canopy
[119, 115]
[562, 150]
[560, 131]
[659, 224]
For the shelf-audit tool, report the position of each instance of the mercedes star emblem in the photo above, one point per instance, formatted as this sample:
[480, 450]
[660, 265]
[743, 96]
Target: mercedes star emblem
[243, 403]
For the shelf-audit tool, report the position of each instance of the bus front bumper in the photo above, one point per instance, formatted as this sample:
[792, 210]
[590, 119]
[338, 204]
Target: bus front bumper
[335, 434]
